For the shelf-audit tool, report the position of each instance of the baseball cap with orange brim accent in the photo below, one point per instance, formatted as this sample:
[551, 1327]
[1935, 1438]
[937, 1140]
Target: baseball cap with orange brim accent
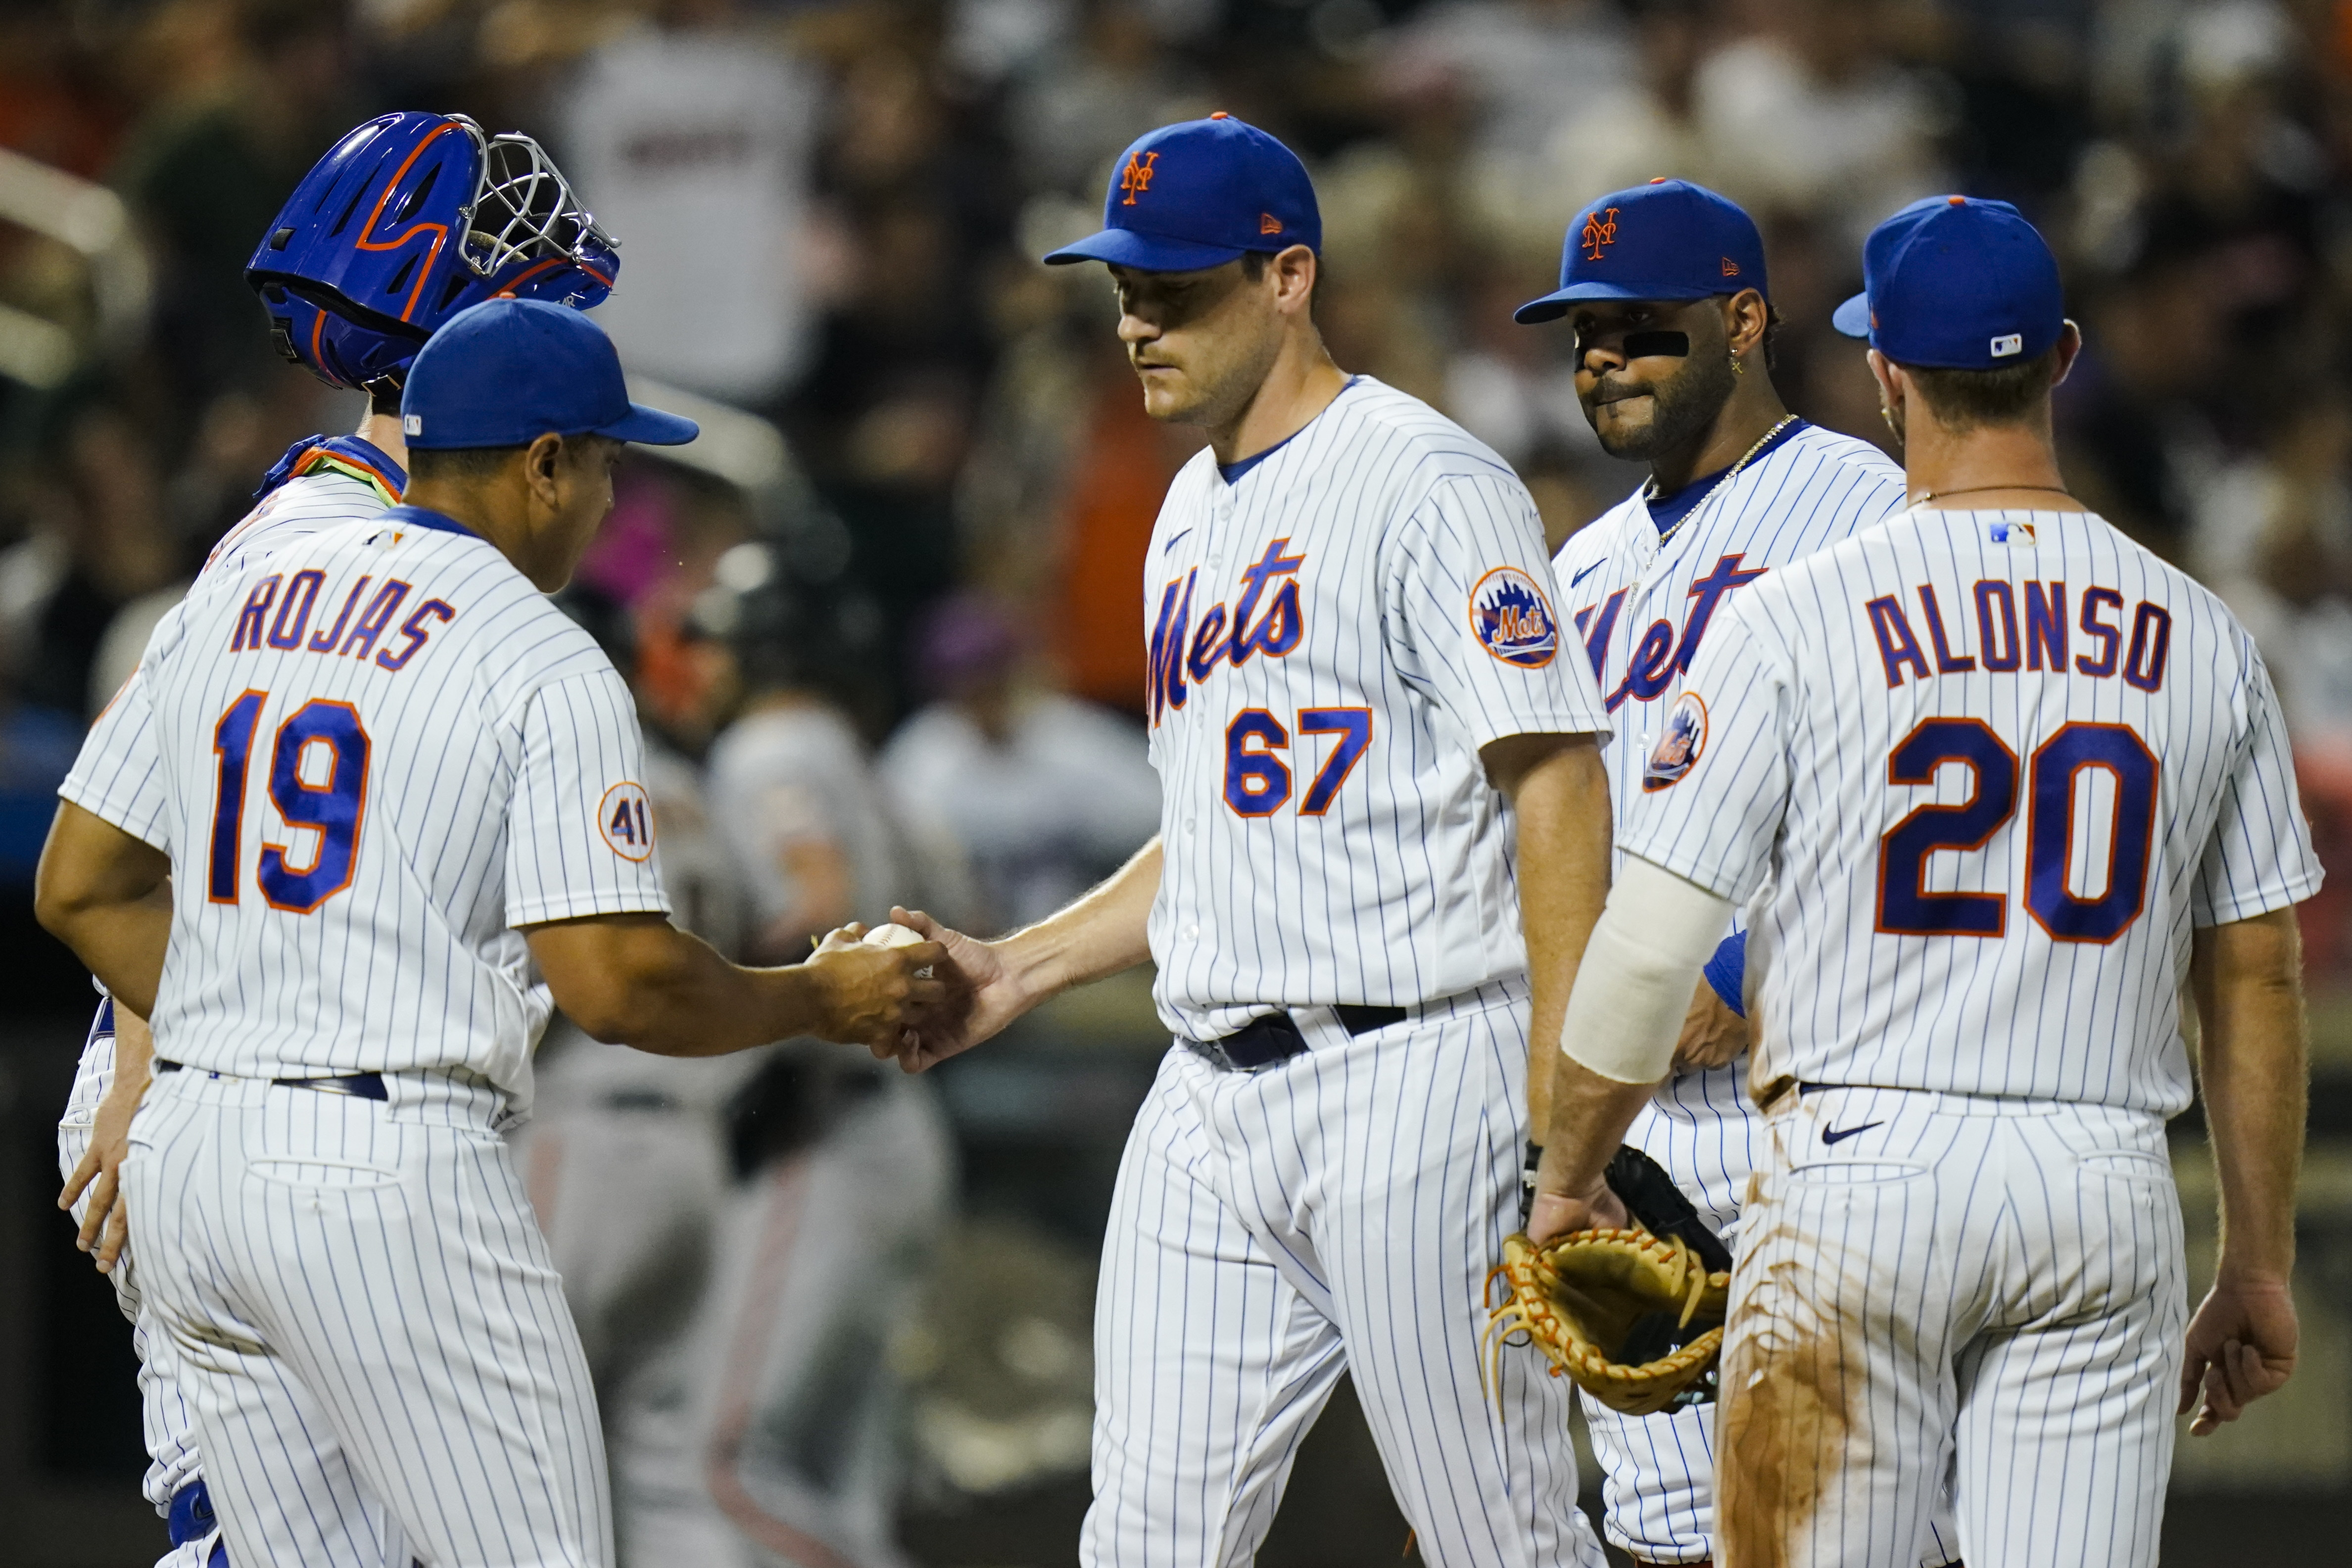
[1199, 195]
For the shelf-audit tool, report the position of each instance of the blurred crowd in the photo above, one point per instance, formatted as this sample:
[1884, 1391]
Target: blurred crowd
[830, 214]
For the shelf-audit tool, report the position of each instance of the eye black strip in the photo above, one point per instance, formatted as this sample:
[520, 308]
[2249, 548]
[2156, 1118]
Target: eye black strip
[1664, 345]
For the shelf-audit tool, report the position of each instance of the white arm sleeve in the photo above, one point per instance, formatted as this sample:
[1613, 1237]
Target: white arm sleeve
[1640, 969]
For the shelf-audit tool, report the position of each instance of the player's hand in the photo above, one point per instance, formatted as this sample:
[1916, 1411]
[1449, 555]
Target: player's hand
[986, 991]
[1713, 1035]
[2240, 1347]
[874, 996]
[106, 1223]
[1558, 1212]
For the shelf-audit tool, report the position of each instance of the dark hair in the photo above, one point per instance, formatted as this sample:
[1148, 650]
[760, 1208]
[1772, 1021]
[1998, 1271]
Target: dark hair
[1771, 337]
[1966, 400]
[458, 462]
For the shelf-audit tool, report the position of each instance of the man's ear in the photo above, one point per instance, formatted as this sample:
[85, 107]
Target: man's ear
[1883, 372]
[1745, 318]
[2070, 347]
[1295, 271]
[541, 462]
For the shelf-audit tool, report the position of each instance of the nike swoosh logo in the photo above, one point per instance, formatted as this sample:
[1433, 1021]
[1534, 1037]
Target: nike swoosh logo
[1588, 571]
[1171, 543]
[1830, 1137]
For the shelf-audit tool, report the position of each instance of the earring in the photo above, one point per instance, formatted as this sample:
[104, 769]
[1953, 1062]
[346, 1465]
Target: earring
[1738, 366]
[1893, 429]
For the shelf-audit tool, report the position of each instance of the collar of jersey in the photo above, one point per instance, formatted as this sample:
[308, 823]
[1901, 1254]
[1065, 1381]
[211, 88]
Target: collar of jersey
[345, 455]
[422, 518]
[1232, 471]
[1665, 511]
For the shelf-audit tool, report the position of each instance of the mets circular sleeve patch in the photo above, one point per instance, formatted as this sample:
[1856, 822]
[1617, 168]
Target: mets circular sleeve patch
[1680, 743]
[1514, 619]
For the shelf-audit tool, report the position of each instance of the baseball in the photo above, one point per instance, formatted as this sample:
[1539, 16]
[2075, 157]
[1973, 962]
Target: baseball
[890, 934]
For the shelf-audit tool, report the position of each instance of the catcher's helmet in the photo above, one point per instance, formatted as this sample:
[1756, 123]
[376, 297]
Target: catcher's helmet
[408, 220]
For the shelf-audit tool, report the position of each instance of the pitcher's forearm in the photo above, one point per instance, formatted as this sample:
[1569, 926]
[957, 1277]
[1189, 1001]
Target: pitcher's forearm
[2253, 1063]
[1096, 936]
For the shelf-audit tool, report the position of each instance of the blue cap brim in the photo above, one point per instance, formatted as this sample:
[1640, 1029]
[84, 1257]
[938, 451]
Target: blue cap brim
[651, 427]
[1554, 306]
[1852, 318]
[1145, 253]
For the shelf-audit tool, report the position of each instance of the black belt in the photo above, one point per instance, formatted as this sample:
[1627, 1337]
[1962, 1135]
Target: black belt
[1263, 1042]
[362, 1085]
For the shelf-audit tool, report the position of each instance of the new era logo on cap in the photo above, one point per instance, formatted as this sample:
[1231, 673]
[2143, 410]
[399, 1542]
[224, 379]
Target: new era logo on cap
[2008, 344]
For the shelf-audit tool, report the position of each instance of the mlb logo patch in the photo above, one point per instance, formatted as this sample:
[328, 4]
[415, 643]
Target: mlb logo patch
[1513, 619]
[2008, 533]
[2008, 344]
[412, 424]
[1680, 744]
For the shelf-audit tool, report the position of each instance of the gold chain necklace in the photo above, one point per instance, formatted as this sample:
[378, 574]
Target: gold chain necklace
[1728, 475]
[1981, 489]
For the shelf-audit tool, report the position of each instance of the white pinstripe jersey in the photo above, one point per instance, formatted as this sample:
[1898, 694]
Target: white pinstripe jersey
[1332, 638]
[1642, 606]
[1994, 767]
[374, 753]
[328, 482]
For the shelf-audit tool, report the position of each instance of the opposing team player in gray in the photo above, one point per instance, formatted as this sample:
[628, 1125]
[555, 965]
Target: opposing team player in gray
[406, 792]
[1383, 832]
[2000, 783]
[1666, 289]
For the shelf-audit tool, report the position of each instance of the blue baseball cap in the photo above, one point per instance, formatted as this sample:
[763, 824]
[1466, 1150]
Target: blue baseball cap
[1199, 195]
[1667, 240]
[507, 372]
[1956, 282]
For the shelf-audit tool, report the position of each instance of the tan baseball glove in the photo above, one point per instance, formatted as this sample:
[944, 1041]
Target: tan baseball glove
[1634, 1319]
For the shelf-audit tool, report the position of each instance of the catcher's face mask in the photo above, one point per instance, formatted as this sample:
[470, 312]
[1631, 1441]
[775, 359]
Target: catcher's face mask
[408, 220]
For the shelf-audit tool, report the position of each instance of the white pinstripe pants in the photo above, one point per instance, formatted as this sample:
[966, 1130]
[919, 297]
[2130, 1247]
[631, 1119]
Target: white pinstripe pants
[1992, 1284]
[369, 1335]
[1658, 1471]
[163, 1415]
[1340, 1210]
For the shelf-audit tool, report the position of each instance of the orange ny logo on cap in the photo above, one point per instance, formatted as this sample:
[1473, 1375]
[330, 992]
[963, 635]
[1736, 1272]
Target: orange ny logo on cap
[1600, 232]
[1135, 178]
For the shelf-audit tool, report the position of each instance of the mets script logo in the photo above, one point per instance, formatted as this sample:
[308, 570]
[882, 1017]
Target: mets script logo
[1679, 747]
[1135, 178]
[1600, 232]
[1514, 619]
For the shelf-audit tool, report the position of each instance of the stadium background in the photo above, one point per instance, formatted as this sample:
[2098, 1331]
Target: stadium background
[830, 214]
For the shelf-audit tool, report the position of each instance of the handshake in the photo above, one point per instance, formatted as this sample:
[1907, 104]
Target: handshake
[910, 990]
